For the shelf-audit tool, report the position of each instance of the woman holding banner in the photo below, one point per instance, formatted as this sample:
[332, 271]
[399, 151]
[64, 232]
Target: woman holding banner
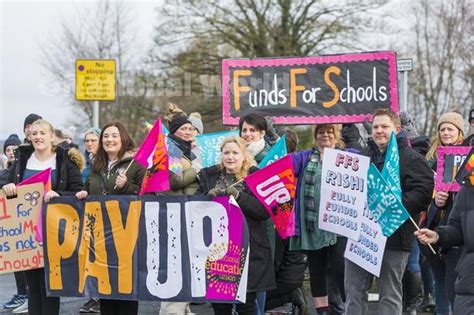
[225, 179]
[65, 180]
[115, 173]
[450, 132]
[324, 249]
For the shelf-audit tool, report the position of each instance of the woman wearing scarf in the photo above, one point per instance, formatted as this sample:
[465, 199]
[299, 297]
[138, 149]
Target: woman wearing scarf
[321, 247]
[182, 135]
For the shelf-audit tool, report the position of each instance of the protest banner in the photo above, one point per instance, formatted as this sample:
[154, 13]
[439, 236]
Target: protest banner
[167, 248]
[153, 155]
[274, 187]
[449, 162]
[310, 90]
[43, 177]
[465, 175]
[343, 192]
[368, 248]
[19, 249]
[277, 151]
[209, 145]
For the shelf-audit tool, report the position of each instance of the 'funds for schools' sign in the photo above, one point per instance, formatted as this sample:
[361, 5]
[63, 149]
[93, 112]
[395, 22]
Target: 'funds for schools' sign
[308, 90]
[173, 248]
[95, 80]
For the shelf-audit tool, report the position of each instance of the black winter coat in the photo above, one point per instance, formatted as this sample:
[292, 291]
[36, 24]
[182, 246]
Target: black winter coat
[417, 183]
[261, 276]
[459, 232]
[69, 180]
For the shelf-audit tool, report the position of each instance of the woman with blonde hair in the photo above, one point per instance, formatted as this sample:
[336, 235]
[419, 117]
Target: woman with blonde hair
[323, 249]
[226, 179]
[65, 180]
[450, 133]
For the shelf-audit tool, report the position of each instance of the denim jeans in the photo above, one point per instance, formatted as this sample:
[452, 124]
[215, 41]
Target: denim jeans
[414, 258]
[438, 267]
[451, 259]
[358, 281]
[260, 302]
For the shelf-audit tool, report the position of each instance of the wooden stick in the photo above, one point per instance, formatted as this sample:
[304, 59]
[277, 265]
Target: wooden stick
[418, 228]
[129, 164]
[236, 183]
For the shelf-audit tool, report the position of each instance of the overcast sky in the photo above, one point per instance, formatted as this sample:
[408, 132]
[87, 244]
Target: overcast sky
[24, 26]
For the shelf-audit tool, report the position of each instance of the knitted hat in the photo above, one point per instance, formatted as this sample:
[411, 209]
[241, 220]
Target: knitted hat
[31, 118]
[12, 139]
[195, 119]
[177, 122]
[452, 118]
[471, 115]
[93, 130]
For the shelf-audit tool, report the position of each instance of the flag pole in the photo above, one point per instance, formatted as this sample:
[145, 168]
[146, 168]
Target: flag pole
[418, 228]
[129, 164]
[238, 182]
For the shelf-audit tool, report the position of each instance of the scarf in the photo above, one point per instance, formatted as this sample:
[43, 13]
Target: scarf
[184, 146]
[256, 147]
[310, 176]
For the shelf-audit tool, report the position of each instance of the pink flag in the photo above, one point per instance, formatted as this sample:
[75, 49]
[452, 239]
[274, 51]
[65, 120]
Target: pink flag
[274, 186]
[153, 155]
[45, 178]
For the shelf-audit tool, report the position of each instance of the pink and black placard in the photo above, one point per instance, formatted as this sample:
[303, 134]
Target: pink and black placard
[341, 88]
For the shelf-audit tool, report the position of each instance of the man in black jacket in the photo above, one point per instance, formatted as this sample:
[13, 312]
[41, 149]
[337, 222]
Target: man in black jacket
[417, 183]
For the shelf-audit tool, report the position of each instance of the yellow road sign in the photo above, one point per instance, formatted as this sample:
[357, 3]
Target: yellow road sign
[95, 80]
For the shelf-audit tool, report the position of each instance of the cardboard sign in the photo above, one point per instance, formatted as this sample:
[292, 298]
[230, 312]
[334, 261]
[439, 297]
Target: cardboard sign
[450, 160]
[368, 248]
[310, 90]
[170, 248]
[343, 192]
[19, 249]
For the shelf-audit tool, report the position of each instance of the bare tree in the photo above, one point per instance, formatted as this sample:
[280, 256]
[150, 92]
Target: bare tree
[442, 77]
[194, 36]
[103, 31]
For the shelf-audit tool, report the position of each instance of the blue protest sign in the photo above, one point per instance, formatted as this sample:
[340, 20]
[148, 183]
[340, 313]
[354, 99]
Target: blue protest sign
[209, 145]
[276, 152]
[383, 203]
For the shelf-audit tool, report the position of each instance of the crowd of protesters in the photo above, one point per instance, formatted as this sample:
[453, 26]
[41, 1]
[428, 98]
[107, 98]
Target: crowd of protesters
[412, 277]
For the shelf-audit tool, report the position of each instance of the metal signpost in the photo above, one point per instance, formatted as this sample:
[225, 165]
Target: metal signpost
[403, 66]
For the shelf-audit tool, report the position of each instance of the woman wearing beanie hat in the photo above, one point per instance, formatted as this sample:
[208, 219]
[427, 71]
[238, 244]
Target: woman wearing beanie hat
[182, 134]
[450, 132]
